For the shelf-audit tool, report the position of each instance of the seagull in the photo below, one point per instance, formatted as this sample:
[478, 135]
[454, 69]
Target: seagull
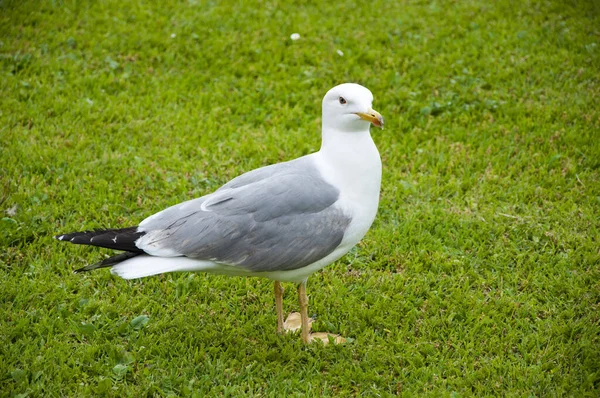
[283, 221]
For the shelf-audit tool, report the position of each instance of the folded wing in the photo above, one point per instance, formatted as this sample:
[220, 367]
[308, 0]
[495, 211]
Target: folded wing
[275, 218]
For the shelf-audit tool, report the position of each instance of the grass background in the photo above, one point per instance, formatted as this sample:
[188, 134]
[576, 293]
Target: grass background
[479, 277]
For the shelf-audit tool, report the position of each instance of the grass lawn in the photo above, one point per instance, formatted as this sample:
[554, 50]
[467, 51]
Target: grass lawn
[480, 276]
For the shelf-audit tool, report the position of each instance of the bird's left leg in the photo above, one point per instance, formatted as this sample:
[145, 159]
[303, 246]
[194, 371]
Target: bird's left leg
[279, 305]
[303, 300]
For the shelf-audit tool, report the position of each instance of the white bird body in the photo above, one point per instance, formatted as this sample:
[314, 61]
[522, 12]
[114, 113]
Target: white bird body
[344, 164]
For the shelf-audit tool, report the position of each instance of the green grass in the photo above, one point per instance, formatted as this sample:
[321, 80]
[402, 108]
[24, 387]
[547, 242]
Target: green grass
[480, 276]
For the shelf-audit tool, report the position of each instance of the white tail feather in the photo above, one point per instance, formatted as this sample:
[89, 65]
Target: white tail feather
[145, 265]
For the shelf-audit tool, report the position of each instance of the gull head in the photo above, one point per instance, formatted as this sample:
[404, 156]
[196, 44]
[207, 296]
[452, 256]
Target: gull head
[348, 108]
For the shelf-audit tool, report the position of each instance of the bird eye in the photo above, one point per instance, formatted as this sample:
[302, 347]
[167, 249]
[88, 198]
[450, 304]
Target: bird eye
[342, 100]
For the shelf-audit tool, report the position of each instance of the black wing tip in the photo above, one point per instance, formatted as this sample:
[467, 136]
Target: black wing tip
[117, 239]
[107, 262]
[75, 237]
[70, 236]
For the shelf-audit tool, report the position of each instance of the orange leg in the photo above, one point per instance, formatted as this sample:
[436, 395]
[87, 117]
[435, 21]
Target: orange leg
[279, 305]
[303, 300]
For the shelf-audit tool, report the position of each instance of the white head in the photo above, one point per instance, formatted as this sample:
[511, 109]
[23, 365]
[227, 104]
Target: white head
[347, 108]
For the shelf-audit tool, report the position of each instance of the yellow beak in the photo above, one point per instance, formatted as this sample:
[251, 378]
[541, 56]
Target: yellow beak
[372, 116]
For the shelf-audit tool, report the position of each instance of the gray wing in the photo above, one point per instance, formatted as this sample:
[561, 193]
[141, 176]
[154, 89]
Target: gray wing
[280, 217]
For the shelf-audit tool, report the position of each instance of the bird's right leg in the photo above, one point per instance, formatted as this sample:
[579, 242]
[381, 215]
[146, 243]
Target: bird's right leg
[279, 305]
[303, 300]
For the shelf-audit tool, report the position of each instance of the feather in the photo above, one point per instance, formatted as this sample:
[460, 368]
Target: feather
[118, 239]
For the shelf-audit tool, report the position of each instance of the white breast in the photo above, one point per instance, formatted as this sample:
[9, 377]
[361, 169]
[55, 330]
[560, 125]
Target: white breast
[354, 167]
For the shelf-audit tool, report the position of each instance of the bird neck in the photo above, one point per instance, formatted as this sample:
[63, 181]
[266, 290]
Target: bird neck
[352, 158]
[342, 146]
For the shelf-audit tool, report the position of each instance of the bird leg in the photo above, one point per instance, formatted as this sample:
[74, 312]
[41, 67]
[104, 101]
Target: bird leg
[303, 300]
[279, 305]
